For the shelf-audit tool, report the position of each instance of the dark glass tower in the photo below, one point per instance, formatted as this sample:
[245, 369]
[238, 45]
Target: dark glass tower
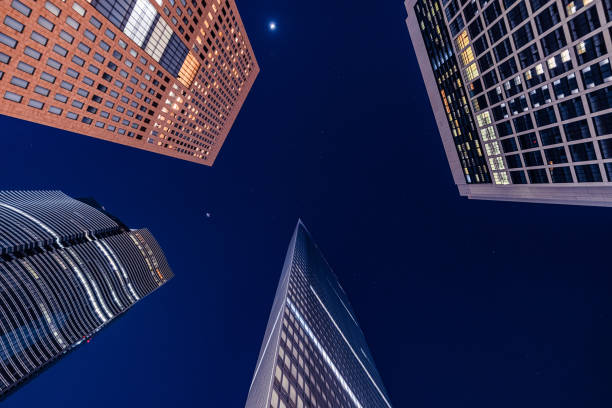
[314, 353]
[66, 270]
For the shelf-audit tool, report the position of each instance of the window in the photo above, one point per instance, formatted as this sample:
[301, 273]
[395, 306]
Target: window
[43, 22]
[561, 175]
[66, 85]
[471, 72]
[95, 22]
[463, 40]
[550, 136]
[556, 155]
[41, 90]
[22, 8]
[35, 104]
[540, 96]
[584, 23]
[54, 63]
[45, 76]
[577, 130]
[497, 31]
[21, 83]
[14, 24]
[52, 8]
[600, 99]
[547, 18]
[533, 158]
[522, 36]
[66, 37]
[588, 173]
[514, 161]
[605, 146]
[517, 15]
[553, 41]
[590, 49]
[89, 35]
[11, 96]
[60, 50]
[523, 123]
[546, 116]
[483, 119]
[32, 53]
[84, 48]
[76, 7]
[571, 109]
[72, 73]
[537, 176]
[36, 36]
[518, 177]
[72, 23]
[22, 66]
[582, 152]
[597, 74]
[467, 56]
[565, 86]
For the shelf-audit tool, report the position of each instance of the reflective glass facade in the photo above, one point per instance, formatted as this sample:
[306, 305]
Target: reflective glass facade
[161, 75]
[66, 270]
[314, 353]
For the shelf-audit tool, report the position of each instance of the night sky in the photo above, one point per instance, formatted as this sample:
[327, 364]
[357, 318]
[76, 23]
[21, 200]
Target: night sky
[463, 303]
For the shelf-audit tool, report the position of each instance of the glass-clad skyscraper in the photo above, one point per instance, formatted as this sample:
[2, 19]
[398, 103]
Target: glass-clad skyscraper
[314, 354]
[67, 269]
[522, 95]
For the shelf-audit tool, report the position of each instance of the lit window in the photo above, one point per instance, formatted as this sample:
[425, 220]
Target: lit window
[472, 72]
[565, 56]
[487, 134]
[552, 64]
[483, 119]
[467, 56]
[539, 69]
[463, 40]
[581, 48]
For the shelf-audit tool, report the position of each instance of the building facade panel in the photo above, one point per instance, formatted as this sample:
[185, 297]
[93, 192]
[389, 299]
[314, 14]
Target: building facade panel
[67, 271]
[536, 75]
[168, 76]
[314, 352]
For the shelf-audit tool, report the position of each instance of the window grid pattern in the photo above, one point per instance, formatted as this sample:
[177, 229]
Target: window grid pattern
[452, 92]
[556, 96]
[61, 282]
[117, 91]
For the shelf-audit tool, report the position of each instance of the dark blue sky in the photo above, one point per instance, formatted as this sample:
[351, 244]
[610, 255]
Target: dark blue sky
[463, 303]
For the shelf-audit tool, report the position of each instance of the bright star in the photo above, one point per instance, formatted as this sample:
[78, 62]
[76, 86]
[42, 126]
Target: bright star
[272, 26]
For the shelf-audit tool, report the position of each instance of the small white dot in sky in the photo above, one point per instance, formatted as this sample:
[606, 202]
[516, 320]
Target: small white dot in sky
[272, 26]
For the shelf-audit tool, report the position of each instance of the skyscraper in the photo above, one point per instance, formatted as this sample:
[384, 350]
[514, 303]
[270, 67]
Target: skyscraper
[168, 76]
[313, 353]
[521, 92]
[66, 270]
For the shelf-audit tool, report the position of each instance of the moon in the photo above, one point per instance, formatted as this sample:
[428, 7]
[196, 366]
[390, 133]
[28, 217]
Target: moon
[272, 26]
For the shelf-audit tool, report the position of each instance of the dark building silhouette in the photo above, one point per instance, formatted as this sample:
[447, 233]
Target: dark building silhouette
[66, 271]
[313, 353]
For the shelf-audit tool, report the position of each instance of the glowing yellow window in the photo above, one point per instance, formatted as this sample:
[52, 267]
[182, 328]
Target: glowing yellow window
[463, 40]
[483, 119]
[467, 56]
[552, 63]
[581, 48]
[571, 8]
[472, 72]
[539, 69]
[487, 133]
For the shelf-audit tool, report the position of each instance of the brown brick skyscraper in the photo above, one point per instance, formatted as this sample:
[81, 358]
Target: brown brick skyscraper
[168, 76]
